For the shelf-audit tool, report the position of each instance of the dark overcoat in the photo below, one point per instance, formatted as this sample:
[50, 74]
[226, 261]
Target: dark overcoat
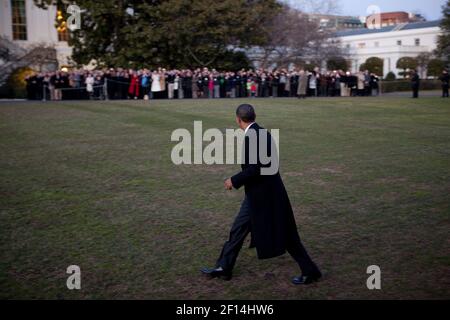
[415, 81]
[272, 220]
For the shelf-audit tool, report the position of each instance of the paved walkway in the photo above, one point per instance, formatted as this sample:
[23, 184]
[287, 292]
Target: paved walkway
[430, 93]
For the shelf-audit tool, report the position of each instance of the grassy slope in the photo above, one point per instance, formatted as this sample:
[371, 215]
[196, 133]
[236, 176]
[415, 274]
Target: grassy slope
[92, 184]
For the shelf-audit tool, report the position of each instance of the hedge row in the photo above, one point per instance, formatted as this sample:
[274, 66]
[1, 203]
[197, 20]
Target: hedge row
[405, 85]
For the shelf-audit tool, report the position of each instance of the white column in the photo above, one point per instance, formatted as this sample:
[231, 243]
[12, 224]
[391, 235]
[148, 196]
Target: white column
[387, 66]
[5, 19]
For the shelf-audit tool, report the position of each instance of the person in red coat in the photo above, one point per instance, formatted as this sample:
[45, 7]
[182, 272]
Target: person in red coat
[211, 87]
[133, 89]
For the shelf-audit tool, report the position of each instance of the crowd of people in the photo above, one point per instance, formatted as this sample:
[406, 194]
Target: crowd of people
[199, 83]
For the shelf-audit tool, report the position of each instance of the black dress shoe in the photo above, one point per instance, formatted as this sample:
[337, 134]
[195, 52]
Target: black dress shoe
[217, 273]
[306, 279]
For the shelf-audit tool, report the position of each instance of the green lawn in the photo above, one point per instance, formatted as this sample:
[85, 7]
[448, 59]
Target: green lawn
[92, 184]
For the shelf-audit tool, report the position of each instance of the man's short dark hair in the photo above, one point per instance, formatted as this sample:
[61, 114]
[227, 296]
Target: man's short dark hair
[246, 113]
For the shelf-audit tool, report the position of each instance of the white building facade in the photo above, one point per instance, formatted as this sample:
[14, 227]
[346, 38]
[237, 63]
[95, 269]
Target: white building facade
[26, 25]
[389, 43]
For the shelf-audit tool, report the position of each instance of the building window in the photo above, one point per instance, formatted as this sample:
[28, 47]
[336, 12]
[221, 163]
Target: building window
[377, 44]
[63, 34]
[19, 20]
[399, 42]
[417, 42]
[361, 45]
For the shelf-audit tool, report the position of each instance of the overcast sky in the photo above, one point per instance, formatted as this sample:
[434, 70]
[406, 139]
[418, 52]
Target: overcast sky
[431, 9]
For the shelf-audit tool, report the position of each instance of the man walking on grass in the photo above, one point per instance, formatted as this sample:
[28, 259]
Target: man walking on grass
[265, 212]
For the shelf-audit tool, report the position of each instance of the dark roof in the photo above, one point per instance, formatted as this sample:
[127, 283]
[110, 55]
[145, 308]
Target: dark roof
[409, 26]
[424, 24]
[352, 20]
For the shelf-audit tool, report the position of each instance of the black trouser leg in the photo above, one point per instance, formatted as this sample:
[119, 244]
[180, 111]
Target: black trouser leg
[299, 253]
[240, 229]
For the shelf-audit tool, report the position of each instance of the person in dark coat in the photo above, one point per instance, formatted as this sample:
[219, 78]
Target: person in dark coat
[445, 83]
[30, 87]
[375, 88]
[415, 83]
[186, 84]
[58, 82]
[265, 212]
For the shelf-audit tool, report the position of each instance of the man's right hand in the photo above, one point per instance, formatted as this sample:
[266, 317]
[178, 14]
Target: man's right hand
[228, 184]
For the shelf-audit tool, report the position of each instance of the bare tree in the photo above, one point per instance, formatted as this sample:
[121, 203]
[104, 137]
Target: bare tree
[422, 62]
[315, 6]
[293, 37]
